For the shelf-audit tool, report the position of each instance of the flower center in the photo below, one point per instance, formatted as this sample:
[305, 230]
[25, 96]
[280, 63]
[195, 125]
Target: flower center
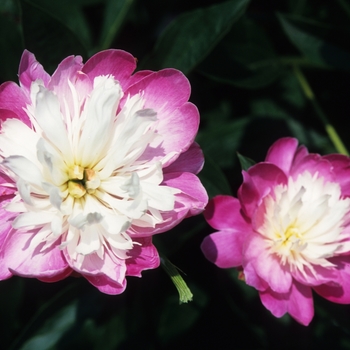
[82, 181]
[303, 221]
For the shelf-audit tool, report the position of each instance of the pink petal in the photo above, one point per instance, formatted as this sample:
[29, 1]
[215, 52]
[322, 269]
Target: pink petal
[105, 285]
[68, 69]
[251, 277]
[224, 212]
[6, 219]
[191, 201]
[337, 291]
[267, 266]
[297, 302]
[282, 152]
[13, 99]
[258, 183]
[142, 257]
[92, 265]
[313, 163]
[118, 63]
[6, 190]
[30, 70]
[191, 161]
[167, 92]
[341, 168]
[224, 248]
[26, 260]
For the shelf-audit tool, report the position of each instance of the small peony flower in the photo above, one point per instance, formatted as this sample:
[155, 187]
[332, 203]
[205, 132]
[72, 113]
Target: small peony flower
[289, 229]
[94, 161]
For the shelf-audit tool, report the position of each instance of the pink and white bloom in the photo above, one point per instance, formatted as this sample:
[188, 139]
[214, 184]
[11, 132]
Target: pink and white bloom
[94, 161]
[288, 230]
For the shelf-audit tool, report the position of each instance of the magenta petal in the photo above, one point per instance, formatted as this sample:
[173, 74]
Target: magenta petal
[105, 285]
[13, 99]
[258, 183]
[118, 63]
[26, 260]
[190, 161]
[142, 257]
[224, 248]
[267, 266]
[297, 302]
[341, 167]
[282, 152]
[191, 201]
[30, 70]
[167, 92]
[224, 212]
[314, 163]
[337, 291]
[5, 227]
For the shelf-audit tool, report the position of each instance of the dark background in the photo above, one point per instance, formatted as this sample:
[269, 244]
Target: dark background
[240, 57]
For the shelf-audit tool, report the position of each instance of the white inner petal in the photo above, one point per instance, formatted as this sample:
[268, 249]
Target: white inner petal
[304, 220]
[79, 171]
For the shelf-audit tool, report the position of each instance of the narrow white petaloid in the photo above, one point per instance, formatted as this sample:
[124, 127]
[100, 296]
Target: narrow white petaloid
[304, 222]
[78, 172]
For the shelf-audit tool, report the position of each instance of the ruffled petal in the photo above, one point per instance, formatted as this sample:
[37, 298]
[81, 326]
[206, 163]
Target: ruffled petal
[297, 302]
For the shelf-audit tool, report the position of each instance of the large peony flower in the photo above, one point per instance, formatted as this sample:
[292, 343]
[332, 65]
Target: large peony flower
[288, 230]
[94, 161]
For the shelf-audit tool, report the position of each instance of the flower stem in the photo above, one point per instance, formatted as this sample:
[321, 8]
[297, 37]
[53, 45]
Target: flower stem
[185, 294]
[332, 133]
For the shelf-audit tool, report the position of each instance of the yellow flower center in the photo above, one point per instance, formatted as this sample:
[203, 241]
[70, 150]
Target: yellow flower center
[82, 181]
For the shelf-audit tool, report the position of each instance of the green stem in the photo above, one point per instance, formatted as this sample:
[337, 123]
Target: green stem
[185, 294]
[332, 133]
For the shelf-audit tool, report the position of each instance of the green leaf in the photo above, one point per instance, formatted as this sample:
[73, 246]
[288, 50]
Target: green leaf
[191, 36]
[46, 36]
[53, 329]
[213, 179]
[316, 41]
[221, 141]
[246, 162]
[245, 57]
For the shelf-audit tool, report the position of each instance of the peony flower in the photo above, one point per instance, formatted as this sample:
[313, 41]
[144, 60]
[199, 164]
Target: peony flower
[289, 229]
[94, 161]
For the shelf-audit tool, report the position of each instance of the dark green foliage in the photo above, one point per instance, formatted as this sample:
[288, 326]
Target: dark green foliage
[239, 57]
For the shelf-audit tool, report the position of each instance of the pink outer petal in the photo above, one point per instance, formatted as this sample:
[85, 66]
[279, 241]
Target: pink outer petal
[339, 290]
[117, 63]
[224, 212]
[110, 266]
[9, 189]
[258, 183]
[266, 265]
[167, 92]
[142, 257]
[314, 163]
[224, 248]
[191, 161]
[341, 170]
[297, 302]
[5, 227]
[68, 69]
[30, 70]
[13, 99]
[27, 261]
[191, 201]
[282, 152]
[105, 285]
